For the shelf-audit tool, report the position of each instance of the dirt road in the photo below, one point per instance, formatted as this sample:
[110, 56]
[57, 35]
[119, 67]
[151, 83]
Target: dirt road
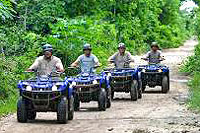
[155, 112]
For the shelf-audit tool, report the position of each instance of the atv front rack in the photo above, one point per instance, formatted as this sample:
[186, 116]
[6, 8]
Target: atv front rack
[34, 96]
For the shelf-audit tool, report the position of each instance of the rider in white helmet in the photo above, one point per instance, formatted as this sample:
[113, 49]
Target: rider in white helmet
[155, 55]
[122, 58]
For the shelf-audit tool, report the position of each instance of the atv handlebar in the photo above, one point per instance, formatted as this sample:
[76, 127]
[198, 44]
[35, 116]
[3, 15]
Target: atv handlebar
[30, 71]
[126, 61]
[147, 59]
[35, 71]
[79, 67]
[72, 67]
[109, 69]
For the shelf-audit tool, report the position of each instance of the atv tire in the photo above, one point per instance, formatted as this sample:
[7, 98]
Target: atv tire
[140, 90]
[165, 84]
[108, 102]
[62, 111]
[21, 111]
[71, 108]
[76, 102]
[112, 95]
[109, 98]
[31, 115]
[134, 90]
[143, 87]
[102, 100]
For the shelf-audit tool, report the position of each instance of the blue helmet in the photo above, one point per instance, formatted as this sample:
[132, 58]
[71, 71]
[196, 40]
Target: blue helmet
[47, 47]
[87, 46]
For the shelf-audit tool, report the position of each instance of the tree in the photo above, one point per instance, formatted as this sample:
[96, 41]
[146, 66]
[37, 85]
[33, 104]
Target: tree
[6, 9]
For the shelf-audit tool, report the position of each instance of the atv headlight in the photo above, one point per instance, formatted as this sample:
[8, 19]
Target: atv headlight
[160, 70]
[54, 88]
[143, 70]
[71, 86]
[73, 83]
[95, 82]
[109, 74]
[28, 88]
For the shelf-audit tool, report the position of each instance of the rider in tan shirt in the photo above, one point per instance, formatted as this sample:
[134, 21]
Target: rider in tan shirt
[122, 58]
[47, 63]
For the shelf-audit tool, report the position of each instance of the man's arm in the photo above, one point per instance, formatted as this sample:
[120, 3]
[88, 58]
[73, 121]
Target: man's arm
[34, 66]
[130, 57]
[111, 59]
[96, 61]
[59, 66]
[147, 56]
[76, 63]
[161, 56]
[130, 61]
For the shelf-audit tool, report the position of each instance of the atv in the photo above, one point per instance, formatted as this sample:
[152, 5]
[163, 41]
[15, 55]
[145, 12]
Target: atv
[125, 80]
[91, 87]
[42, 94]
[155, 75]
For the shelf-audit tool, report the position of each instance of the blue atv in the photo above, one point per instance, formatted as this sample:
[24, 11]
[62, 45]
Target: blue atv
[155, 75]
[91, 87]
[125, 80]
[42, 94]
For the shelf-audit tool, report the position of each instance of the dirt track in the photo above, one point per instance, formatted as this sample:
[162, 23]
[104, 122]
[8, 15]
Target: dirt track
[155, 112]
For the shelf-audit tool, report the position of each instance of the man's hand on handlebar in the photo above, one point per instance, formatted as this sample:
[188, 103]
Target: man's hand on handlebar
[146, 59]
[162, 58]
[31, 70]
[72, 67]
[60, 70]
[111, 61]
[97, 66]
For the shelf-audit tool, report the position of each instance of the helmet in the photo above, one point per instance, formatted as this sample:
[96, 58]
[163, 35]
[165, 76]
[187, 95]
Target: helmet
[47, 47]
[87, 46]
[154, 44]
[121, 45]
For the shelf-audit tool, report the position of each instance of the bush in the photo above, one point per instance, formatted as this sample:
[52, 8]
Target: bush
[192, 65]
[194, 98]
[8, 79]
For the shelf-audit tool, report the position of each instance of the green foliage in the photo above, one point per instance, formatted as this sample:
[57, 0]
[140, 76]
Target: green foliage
[8, 105]
[6, 9]
[194, 98]
[36, 15]
[7, 78]
[192, 65]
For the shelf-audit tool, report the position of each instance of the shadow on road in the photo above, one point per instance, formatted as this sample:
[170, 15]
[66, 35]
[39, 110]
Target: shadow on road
[88, 109]
[122, 99]
[43, 121]
[153, 92]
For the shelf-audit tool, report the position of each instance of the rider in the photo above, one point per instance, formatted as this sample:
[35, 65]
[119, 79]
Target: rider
[154, 56]
[47, 63]
[86, 61]
[122, 58]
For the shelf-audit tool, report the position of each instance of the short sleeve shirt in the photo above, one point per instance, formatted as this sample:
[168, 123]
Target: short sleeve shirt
[121, 61]
[46, 66]
[154, 57]
[87, 63]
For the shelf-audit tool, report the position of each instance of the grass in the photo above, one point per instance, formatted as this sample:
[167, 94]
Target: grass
[194, 99]
[8, 106]
[191, 66]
